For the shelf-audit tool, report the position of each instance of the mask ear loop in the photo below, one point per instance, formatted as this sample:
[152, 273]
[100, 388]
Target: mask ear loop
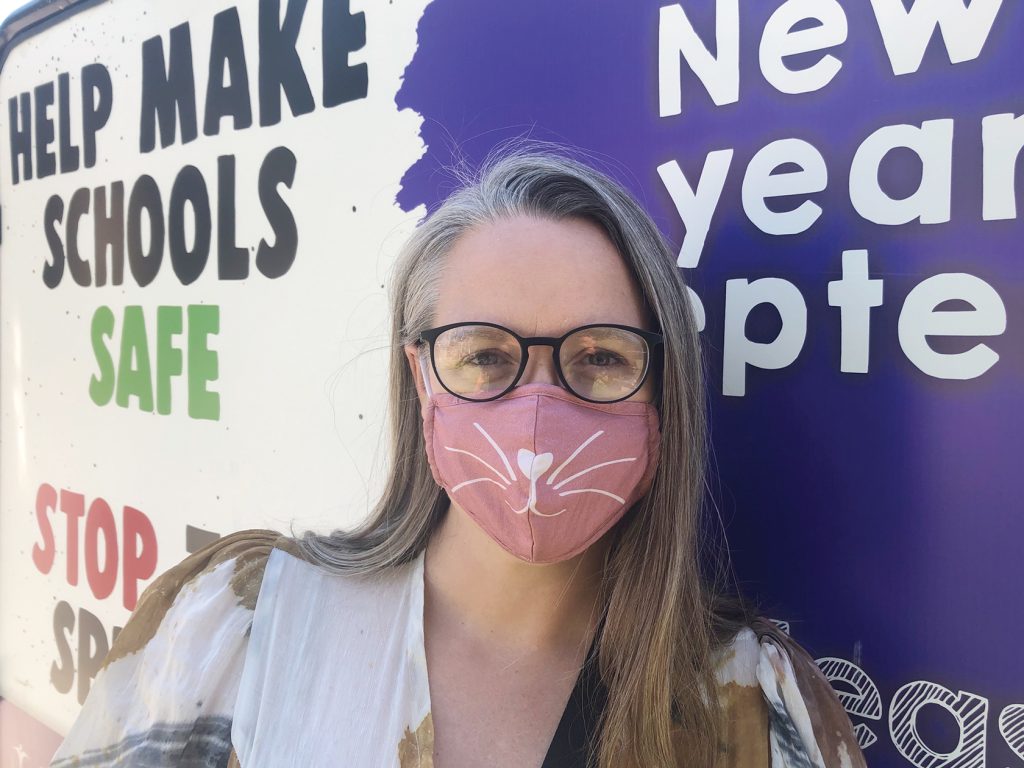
[426, 374]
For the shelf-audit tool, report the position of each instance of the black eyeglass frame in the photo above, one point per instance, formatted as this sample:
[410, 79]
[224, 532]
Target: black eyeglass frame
[653, 340]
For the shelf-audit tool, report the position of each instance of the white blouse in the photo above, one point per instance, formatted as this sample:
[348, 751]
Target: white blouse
[245, 654]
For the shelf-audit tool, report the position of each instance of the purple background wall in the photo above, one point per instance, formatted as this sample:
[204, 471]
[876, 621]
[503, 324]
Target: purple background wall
[878, 513]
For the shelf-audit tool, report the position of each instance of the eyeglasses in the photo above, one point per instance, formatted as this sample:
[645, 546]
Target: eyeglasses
[599, 363]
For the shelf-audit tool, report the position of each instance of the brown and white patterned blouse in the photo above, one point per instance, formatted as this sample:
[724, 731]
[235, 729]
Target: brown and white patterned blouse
[245, 654]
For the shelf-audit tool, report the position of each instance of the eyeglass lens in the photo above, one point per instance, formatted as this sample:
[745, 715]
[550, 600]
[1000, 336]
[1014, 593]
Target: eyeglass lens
[599, 363]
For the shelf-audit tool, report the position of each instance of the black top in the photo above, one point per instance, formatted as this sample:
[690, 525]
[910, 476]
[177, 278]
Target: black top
[578, 726]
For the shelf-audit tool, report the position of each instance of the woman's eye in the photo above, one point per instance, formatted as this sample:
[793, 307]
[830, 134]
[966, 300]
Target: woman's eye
[603, 359]
[483, 358]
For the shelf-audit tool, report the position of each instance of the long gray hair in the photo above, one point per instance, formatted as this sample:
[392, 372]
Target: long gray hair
[665, 602]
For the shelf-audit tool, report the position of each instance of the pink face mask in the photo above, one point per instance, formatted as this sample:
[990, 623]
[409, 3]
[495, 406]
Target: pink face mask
[543, 473]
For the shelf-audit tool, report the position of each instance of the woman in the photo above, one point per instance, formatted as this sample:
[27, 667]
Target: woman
[537, 546]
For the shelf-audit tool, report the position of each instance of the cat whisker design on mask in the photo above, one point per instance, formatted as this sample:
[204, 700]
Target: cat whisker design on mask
[507, 480]
[533, 466]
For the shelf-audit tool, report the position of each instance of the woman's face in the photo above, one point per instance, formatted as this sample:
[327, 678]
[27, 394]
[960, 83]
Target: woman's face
[537, 277]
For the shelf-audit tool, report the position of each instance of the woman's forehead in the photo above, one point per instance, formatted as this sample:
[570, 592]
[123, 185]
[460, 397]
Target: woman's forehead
[537, 276]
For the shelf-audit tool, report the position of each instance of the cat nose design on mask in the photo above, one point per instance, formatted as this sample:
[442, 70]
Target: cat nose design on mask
[533, 466]
[580, 465]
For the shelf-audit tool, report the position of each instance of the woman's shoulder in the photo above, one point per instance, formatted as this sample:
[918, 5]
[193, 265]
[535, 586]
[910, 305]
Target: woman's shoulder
[778, 701]
[238, 559]
[173, 670]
